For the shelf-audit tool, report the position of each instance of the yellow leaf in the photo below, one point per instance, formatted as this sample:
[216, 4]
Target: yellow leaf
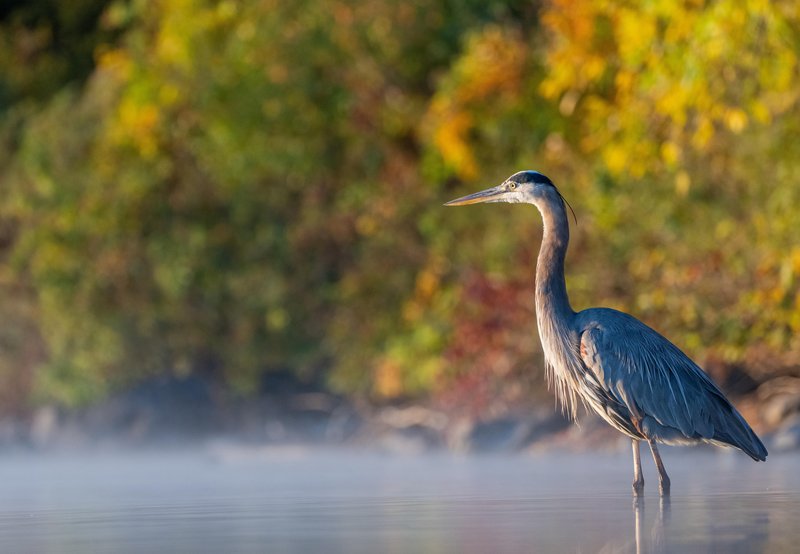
[736, 120]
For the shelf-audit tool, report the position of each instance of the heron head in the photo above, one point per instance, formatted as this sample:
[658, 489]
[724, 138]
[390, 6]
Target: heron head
[525, 187]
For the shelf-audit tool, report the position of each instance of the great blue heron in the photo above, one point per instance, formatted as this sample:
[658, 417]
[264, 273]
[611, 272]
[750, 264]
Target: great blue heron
[634, 378]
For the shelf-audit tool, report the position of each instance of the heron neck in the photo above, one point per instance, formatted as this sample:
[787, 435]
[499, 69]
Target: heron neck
[552, 301]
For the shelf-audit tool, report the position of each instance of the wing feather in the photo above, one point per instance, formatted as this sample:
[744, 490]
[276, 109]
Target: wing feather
[673, 399]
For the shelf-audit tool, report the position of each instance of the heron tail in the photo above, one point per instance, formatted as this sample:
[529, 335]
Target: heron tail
[735, 431]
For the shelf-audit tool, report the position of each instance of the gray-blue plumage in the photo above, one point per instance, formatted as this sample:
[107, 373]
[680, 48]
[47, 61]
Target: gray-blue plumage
[647, 388]
[629, 374]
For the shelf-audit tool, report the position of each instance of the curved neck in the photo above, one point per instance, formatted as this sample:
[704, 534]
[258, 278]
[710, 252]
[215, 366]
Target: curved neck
[551, 286]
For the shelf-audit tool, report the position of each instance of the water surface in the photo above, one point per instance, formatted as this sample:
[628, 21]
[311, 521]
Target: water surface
[294, 500]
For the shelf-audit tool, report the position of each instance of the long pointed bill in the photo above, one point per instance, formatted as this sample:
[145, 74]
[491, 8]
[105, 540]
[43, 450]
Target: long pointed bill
[489, 195]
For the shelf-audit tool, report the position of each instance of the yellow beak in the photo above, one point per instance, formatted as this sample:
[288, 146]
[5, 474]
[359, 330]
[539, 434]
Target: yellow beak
[489, 195]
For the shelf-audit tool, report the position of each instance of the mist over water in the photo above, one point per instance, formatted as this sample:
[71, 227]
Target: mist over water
[296, 500]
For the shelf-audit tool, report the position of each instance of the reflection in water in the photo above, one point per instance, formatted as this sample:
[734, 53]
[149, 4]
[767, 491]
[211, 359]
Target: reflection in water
[722, 524]
[302, 501]
[657, 542]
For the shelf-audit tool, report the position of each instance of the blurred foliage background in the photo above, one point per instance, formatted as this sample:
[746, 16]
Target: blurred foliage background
[234, 188]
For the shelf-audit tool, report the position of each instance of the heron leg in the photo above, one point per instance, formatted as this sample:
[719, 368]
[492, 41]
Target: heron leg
[663, 478]
[638, 478]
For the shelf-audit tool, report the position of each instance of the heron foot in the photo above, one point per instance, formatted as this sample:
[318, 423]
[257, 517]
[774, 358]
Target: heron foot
[638, 487]
[663, 486]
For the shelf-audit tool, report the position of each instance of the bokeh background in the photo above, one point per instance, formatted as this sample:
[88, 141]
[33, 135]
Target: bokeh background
[226, 217]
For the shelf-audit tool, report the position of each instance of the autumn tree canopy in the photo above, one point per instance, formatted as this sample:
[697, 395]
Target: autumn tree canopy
[232, 188]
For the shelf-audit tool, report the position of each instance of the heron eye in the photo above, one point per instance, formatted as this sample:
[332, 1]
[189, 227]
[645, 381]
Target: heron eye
[512, 186]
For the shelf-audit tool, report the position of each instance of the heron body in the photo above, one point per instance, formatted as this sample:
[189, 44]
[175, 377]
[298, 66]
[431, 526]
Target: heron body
[629, 374]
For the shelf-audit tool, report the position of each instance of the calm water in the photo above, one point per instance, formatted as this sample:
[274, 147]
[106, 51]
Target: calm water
[307, 501]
